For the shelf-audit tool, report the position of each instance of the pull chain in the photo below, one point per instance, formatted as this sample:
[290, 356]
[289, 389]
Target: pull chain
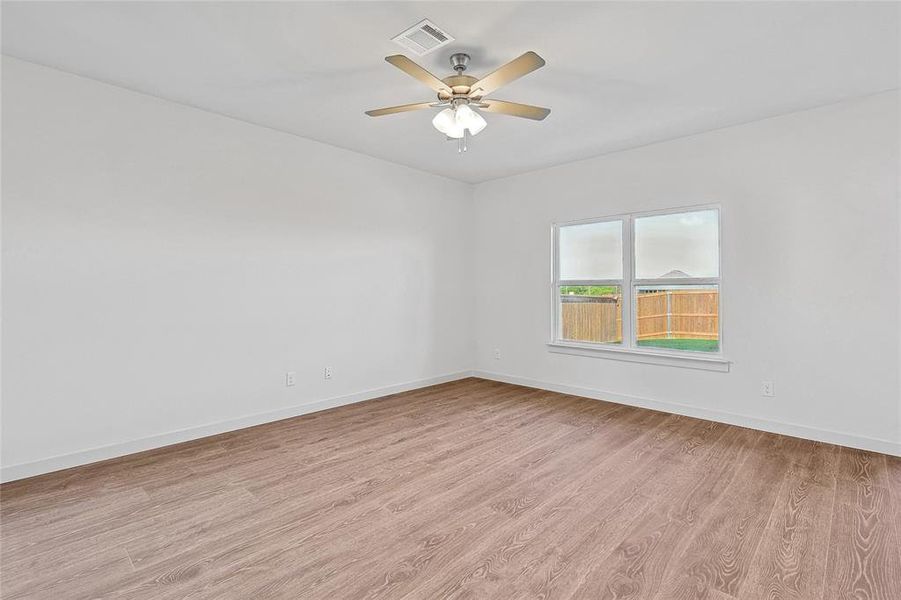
[461, 144]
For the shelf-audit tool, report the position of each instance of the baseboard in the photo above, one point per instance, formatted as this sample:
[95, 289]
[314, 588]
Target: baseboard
[84, 457]
[75, 459]
[790, 429]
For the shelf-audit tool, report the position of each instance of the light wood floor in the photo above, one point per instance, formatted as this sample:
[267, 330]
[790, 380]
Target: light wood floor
[472, 489]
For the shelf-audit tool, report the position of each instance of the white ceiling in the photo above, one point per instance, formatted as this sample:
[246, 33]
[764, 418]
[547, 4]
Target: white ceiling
[618, 75]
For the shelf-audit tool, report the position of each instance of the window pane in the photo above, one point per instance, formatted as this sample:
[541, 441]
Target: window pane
[591, 313]
[678, 317]
[591, 251]
[677, 245]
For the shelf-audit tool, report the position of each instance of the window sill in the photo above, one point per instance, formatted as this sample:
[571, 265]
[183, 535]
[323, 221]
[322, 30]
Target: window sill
[687, 361]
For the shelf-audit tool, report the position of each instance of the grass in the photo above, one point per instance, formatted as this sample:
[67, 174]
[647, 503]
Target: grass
[589, 290]
[682, 344]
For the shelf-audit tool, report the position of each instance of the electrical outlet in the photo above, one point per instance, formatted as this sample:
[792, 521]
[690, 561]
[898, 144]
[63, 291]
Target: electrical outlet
[497, 354]
[290, 378]
[766, 389]
[328, 373]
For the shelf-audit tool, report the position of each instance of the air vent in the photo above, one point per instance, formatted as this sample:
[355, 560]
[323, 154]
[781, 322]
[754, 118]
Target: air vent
[422, 38]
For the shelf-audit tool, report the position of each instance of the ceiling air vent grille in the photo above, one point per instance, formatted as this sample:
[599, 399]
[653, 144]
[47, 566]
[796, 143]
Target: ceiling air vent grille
[422, 38]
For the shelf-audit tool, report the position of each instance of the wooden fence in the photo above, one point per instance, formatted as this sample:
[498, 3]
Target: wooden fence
[683, 314]
[592, 318]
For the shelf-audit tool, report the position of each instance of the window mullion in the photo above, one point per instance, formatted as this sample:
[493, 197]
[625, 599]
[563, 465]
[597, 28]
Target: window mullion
[589, 282]
[678, 281]
[628, 311]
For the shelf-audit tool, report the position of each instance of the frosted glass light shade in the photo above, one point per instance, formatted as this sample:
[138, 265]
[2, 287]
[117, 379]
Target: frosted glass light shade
[446, 123]
[470, 119]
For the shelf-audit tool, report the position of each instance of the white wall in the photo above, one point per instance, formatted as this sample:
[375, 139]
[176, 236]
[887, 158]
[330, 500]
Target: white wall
[810, 211]
[164, 267]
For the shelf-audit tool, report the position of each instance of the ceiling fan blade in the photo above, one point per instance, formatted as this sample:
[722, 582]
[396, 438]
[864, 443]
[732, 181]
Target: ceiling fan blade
[515, 109]
[398, 109]
[413, 70]
[511, 71]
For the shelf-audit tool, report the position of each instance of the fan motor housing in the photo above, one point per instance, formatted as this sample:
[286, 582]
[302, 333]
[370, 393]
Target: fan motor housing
[459, 85]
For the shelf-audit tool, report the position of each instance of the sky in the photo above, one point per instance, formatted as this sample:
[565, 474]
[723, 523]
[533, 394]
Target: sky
[687, 242]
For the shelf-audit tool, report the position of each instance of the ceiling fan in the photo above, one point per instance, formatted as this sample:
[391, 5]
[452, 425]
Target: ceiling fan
[459, 94]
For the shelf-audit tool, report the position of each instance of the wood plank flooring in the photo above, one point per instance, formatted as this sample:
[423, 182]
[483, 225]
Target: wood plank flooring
[472, 489]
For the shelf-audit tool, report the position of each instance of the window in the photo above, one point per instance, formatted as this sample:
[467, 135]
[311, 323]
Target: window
[660, 295]
[591, 282]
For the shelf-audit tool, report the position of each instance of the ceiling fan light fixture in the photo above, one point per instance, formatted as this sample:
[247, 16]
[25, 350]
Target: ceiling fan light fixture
[446, 122]
[470, 119]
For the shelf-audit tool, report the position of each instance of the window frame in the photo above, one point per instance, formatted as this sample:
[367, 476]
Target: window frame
[628, 349]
